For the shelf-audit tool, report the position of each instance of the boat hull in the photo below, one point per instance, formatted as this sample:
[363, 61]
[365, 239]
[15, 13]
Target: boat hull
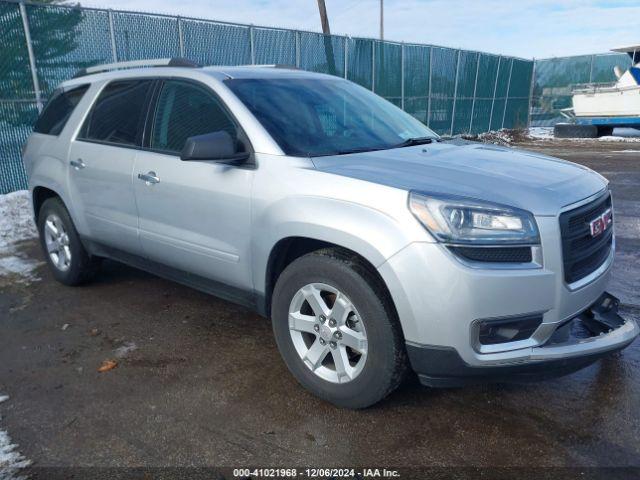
[610, 103]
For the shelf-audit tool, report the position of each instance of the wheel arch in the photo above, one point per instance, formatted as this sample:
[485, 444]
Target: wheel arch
[288, 249]
[40, 195]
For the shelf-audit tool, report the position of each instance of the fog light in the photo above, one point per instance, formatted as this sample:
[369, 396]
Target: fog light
[513, 329]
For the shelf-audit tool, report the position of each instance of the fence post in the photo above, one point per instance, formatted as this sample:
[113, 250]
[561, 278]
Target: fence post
[591, 69]
[495, 88]
[475, 89]
[112, 36]
[531, 89]
[346, 56]
[402, 75]
[373, 65]
[297, 37]
[455, 93]
[32, 58]
[252, 47]
[506, 98]
[429, 92]
[180, 37]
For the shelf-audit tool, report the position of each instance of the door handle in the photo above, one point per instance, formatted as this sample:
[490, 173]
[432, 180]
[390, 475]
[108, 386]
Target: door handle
[77, 164]
[149, 178]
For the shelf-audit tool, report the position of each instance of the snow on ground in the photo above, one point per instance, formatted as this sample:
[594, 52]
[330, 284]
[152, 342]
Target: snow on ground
[16, 225]
[11, 460]
[621, 135]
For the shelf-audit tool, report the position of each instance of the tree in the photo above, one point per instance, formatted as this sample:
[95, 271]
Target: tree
[54, 34]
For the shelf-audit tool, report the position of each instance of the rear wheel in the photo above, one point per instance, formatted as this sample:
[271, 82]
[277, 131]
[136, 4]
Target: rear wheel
[570, 130]
[66, 256]
[336, 329]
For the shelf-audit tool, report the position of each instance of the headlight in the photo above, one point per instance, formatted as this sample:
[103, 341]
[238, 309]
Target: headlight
[461, 220]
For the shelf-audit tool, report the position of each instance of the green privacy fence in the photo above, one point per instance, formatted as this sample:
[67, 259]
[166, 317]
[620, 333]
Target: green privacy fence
[453, 91]
[556, 77]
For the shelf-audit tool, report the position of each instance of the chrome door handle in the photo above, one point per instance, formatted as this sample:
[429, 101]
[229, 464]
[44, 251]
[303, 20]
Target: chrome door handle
[149, 178]
[77, 164]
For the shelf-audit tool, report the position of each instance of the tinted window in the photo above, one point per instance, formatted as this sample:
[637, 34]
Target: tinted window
[326, 116]
[58, 110]
[185, 110]
[118, 114]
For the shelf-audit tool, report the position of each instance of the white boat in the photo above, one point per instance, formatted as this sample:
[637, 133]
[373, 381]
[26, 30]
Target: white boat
[618, 99]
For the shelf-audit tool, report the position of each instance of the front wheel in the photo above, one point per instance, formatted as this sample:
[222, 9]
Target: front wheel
[336, 329]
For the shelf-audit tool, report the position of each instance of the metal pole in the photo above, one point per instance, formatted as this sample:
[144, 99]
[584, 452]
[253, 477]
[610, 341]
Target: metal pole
[495, 88]
[373, 65]
[112, 36]
[252, 47]
[297, 37]
[429, 92]
[531, 88]
[180, 37]
[455, 93]
[506, 98]
[402, 75]
[475, 89]
[32, 57]
[381, 19]
[346, 55]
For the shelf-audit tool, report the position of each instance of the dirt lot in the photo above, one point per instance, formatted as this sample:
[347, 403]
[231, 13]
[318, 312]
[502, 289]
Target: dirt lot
[200, 381]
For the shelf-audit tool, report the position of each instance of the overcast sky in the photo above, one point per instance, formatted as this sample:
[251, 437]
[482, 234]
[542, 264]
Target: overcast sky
[525, 28]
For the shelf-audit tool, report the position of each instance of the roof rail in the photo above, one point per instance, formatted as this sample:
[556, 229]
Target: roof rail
[156, 62]
[274, 65]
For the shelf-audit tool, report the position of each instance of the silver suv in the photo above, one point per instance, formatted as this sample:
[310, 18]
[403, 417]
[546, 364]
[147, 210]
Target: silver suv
[373, 245]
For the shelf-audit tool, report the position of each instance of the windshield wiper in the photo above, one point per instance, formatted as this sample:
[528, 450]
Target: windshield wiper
[409, 142]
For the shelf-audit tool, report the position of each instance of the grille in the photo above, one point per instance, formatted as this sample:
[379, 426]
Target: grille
[582, 254]
[494, 255]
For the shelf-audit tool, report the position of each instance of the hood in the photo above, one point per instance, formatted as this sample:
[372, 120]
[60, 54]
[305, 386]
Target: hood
[530, 181]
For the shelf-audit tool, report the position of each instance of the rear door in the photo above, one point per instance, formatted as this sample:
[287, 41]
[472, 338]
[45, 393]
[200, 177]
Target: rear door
[102, 160]
[194, 215]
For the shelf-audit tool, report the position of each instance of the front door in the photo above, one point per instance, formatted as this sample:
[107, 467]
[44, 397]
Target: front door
[194, 215]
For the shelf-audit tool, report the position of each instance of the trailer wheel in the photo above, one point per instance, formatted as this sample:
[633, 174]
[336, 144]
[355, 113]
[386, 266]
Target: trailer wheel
[570, 130]
[604, 131]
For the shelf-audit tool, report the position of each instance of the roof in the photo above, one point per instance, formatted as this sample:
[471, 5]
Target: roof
[629, 49]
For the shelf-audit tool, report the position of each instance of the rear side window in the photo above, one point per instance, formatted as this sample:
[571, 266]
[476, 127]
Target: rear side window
[118, 114]
[185, 110]
[58, 110]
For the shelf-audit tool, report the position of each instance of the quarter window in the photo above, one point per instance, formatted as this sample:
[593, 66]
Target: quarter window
[186, 110]
[58, 110]
[118, 114]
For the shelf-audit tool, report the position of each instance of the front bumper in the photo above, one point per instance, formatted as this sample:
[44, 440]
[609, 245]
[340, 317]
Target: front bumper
[578, 342]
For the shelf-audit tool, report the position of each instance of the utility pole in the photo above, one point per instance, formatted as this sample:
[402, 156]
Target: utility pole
[328, 43]
[381, 19]
[323, 17]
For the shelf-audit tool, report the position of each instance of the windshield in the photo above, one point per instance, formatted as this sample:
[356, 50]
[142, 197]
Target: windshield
[326, 116]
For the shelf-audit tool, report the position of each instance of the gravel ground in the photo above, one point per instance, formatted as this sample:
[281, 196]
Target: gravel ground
[199, 381]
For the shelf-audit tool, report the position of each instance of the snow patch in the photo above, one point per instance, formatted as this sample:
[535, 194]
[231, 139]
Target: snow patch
[11, 461]
[16, 225]
[540, 133]
[125, 349]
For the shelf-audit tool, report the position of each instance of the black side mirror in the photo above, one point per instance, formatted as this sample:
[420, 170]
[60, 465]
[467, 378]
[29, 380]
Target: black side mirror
[216, 146]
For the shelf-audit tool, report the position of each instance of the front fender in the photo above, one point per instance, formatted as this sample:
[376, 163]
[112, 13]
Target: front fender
[373, 234]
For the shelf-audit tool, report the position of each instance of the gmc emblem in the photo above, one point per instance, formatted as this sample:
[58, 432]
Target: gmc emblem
[601, 223]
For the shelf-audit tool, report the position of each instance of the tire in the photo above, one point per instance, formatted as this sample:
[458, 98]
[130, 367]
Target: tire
[604, 131]
[570, 130]
[385, 364]
[79, 267]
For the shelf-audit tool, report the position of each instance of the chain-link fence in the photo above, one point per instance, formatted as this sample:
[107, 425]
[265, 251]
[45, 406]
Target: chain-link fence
[453, 91]
[555, 78]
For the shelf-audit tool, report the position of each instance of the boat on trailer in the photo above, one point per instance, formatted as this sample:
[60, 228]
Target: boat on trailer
[600, 107]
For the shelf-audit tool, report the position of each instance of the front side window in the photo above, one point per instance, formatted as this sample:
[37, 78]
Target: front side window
[326, 116]
[118, 114]
[186, 110]
[58, 110]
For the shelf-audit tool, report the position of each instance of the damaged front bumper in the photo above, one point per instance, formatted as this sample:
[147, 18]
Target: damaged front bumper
[576, 343]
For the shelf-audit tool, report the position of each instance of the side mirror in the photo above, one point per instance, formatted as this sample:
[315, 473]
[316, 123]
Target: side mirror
[216, 146]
